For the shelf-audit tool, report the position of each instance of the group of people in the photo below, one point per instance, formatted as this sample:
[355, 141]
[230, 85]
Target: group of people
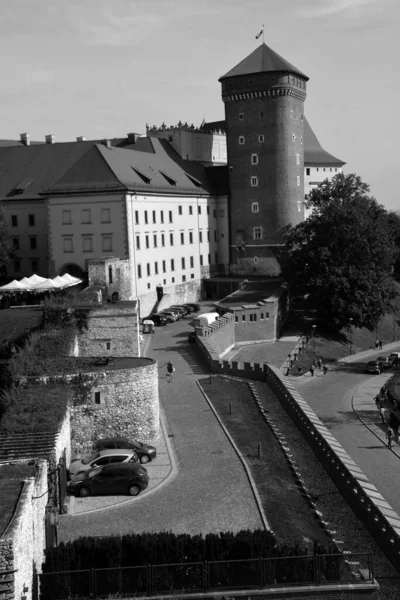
[378, 345]
[386, 403]
[320, 366]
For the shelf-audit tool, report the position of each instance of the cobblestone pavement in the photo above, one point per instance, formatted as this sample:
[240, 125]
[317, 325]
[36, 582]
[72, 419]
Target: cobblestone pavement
[210, 492]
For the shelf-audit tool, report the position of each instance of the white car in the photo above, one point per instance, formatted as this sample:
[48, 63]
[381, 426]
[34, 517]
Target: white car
[103, 457]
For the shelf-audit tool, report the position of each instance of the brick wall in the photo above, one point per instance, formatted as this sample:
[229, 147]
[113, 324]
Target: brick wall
[113, 330]
[129, 406]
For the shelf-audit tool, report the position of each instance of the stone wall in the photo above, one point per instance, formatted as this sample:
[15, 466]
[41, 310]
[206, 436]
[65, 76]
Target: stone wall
[190, 291]
[112, 273]
[220, 335]
[113, 330]
[129, 406]
[63, 440]
[22, 546]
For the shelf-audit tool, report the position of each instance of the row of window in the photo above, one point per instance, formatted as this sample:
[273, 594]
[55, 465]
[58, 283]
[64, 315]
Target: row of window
[146, 214]
[87, 243]
[171, 239]
[261, 139]
[32, 242]
[14, 220]
[308, 170]
[86, 216]
[163, 266]
[252, 317]
[33, 265]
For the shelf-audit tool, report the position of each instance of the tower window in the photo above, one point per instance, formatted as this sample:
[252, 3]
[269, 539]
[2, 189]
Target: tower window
[301, 140]
[254, 159]
[298, 180]
[297, 159]
[241, 116]
[261, 138]
[254, 207]
[241, 139]
[255, 260]
[139, 271]
[254, 181]
[257, 233]
[179, 210]
[293, 137]
[308, 171]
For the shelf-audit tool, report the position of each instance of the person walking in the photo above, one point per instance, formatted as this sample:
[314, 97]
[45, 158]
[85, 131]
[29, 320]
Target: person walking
[325, 369]
[376, 344]
[312, 369]
[380, 344]
[170, 371]
[319, 363]
[389, 435]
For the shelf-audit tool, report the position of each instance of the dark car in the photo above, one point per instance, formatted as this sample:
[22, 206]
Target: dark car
[196, 307]
[123, 478]
[181, 309]
[158, 319]
[171, 315]
[385, 361]
[145, 452]
[373, 367]
[189, 308]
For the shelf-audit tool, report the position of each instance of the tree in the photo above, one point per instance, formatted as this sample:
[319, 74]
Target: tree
[344, 253]
[394, 222]
[6, 252]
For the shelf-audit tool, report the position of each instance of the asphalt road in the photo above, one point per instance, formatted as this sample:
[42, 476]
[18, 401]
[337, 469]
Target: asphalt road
[331, 399]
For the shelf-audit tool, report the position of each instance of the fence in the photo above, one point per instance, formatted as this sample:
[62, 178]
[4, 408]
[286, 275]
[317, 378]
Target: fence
[199, 577]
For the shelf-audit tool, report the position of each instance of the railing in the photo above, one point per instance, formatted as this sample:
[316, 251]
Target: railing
[206, 576]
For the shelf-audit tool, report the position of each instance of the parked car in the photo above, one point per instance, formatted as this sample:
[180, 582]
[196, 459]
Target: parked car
[158, 319]
[374, 367]
[175, 316]
[103, 457]
[179, 309]
[395, 358]
[124, 478]
[189, 308]
[169, 316]
[385, 362]
[196, 307]
[145, 452]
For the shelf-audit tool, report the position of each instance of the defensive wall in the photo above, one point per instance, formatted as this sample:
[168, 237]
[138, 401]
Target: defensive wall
[219, 336]
[379, 518]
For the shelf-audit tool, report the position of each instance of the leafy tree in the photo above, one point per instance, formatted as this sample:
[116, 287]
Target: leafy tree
[394, 222]
[6, 251]
[344, 253]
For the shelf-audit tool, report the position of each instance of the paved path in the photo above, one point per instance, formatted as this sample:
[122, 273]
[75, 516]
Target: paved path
[210, 490]
[343, 400]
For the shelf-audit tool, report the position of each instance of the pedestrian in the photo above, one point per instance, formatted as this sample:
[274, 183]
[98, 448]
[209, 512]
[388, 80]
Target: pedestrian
[382, 411]
[376, 345]
[170, 371]
[312, 369]
[325, 369]
[319, 363]
[380, 345]
[389, 435]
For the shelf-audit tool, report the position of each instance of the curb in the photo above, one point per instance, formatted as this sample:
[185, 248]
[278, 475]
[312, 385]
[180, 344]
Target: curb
[242, 460]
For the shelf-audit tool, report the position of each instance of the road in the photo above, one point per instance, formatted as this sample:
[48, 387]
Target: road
[331, 399]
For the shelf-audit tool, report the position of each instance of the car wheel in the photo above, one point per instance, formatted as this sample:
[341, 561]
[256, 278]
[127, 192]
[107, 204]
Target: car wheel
[134, 490]
[84, 492]
[144, 459]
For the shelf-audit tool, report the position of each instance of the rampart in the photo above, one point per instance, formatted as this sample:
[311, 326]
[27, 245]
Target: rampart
[379, 518]
[219, 336]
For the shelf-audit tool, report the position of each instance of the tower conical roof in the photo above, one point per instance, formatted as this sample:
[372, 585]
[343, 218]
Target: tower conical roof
[262, 60]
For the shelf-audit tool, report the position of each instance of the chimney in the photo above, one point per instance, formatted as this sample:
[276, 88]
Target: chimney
[50, 139]
[81, 138]
[25, 138]
[106, 143]
[132, 137]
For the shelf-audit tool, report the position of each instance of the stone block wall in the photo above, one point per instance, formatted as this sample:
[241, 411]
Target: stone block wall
[112, 273]
[129, 406]
[63, 441]
[113, 330]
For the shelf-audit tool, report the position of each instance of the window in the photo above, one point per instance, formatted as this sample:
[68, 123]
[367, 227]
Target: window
[215, 235]
[261, 115]
[172, 264]
[170, 216]
[236, 319]
[163, 239]
[179, 210]
[297, 159]
[164, 266]
[308, 171]
[241, 139]
[145, 217]
[156, 268]
[66, 217]
[14, 221]
[183, 278]
[105, 215]
[254, 207]
[241, 116]
[148, 269]
[199, 210]
[182, 237]
[208, 209]
[191, 262]
[155, 240]
[317, 168]
[254, 159]
[17, 266]
[154, 217]
[171, 239]
[323, 169]
[209, 259]
[243, 317]
[138, 242]
[257, 233]
[261, 138]
[215, 213]
[190, 237]
[15, 243]
[293, 137]
[298, 179]
[147, 241]
[267, 315]
[34, 265]
[200, 236]
[255, 260]
[208, 235]
[148, 286]
[183, 263]
[31, 220]
[162, 216]
[201, 260]
[136, 217]
[262, 316]
[221, 212]
[253, 317]
[254, 181]
[87, 243]
[33, 243]
[106, 243]
[192, 276]
[190, 210]
[139, 271]
[335, 170]
[86, 217]
[97, 400]
[68, 245]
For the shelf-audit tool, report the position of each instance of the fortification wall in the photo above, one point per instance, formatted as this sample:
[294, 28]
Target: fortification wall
[113, 274]
[113, 330]
[219, 335]
[190, 291]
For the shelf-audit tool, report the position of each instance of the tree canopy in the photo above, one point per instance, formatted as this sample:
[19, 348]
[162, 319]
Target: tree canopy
[5, 242]
[344, 253]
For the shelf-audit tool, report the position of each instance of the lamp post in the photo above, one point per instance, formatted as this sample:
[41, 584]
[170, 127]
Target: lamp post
[313, 338]
[351, 335]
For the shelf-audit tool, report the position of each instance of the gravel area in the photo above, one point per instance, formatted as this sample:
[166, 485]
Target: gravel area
[336, 511]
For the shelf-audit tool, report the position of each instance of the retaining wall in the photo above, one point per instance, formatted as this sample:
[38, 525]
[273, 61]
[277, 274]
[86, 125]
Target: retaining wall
[113, 330]
[220, 335]
[379, 518]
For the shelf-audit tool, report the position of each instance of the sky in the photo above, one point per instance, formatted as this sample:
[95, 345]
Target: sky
[103, 68]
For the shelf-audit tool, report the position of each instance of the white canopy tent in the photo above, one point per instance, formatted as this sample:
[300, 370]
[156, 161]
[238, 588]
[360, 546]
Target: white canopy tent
[35, 283]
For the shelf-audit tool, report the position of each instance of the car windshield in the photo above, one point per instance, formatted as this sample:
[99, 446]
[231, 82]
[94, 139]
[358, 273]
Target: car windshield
[88, 459]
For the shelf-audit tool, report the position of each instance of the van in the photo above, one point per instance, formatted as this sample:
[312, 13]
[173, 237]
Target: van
[206, 319]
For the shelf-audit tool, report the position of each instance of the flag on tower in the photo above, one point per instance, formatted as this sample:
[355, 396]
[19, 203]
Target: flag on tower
[261, 32]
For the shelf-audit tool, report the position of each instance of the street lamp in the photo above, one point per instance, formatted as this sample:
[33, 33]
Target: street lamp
[351, 334]
[313, 338]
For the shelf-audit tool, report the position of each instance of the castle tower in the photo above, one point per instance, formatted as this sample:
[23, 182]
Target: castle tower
[264, 109]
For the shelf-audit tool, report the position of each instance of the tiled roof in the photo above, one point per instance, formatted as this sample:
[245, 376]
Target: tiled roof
[162, 171]
[262, 60]
[314, 154]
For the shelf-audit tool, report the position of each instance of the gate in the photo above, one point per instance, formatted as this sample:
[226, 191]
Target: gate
[62, 482]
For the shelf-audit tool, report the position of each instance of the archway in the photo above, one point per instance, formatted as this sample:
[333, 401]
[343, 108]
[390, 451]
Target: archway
[73, 269]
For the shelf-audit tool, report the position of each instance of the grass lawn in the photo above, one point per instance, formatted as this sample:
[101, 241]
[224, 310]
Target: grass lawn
[17, 322]
[287, 512]
[11, 477]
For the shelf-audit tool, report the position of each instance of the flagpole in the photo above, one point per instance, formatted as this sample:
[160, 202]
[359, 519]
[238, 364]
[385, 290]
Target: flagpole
[263, 33]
